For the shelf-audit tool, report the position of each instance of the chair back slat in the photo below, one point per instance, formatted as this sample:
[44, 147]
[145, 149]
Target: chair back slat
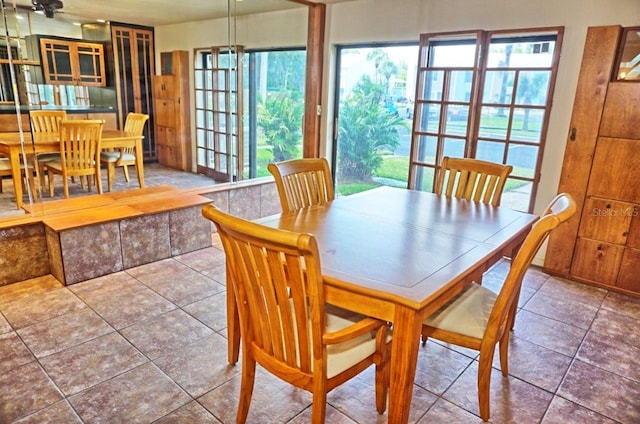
[278, 286]
[302, 182]
[80, 146]
[135, 124]
[472, 179]
[46, 121]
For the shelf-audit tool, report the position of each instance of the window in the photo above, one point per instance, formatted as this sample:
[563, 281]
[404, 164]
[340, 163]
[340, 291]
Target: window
[375, 87]
[485, 95]
[249, 109]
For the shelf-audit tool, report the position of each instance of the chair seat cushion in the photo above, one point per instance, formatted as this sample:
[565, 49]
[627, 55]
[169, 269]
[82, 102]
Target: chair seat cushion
[467, 313]
[344, 355]
[114, 156]
[47, 157]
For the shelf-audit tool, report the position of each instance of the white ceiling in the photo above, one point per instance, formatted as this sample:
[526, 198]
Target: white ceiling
[159, 12]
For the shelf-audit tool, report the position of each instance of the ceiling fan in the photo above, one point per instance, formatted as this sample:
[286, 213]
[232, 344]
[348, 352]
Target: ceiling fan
[48, 8]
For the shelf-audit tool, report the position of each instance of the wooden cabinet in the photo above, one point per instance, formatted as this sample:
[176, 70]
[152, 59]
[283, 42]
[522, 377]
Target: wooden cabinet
[133, 52]
[72, 62]
[601, 170]
[172, 112]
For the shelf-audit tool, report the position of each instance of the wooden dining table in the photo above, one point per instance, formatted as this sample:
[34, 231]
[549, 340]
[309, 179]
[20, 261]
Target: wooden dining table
[399, 255]
[11, 147]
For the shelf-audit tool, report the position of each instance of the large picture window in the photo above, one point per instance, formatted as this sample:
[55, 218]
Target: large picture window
[485, 95]
[249, 110]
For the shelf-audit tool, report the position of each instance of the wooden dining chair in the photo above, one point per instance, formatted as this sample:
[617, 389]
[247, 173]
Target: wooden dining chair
[302, 182]
[285, 324]
[6, 170]
[478, 318]
[472, 179]
[124, 157]
[45, 122]
[79, 153]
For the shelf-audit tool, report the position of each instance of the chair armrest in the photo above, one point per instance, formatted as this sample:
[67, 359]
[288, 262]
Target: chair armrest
[359, 328]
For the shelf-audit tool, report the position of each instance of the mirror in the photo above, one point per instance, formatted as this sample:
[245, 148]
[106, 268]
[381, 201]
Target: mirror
[283, 27]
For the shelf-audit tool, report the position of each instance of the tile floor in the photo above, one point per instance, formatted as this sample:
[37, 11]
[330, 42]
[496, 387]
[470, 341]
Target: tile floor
[148, 345]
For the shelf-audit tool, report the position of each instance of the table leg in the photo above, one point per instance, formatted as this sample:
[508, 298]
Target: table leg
[139, 162]
[404, 357]
[16, 174]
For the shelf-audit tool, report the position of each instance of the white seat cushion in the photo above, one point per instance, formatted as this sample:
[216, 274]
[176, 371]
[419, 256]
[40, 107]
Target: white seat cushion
[466, 314]
[344, 355]
[114, 156]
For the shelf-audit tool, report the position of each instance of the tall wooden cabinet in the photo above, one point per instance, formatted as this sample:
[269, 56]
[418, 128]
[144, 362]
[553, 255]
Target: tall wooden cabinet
[172, 111]
[601, 170]
[133, 52]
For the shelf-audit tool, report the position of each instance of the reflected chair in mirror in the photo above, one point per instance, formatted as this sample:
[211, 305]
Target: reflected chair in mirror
[45, 122]
[6, 171]
[479, 319]
[302, 182]
[285, 324]
[124, 157]
[79, 154]
[472, 179]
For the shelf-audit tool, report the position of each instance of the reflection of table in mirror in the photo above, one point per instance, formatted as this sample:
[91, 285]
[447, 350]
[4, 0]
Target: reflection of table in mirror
[10, 146]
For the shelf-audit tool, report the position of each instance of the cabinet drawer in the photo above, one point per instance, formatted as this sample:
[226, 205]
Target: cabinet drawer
[165, 113]
[629, 276]
[596, 261]
[606, 220]
[166, 136]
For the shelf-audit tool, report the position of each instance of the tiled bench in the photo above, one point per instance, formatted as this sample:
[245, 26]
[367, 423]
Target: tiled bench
[101, 234]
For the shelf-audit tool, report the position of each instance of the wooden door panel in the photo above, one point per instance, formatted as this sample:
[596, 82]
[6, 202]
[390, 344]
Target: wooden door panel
[629, 277]
[597, 261]
[633, 240]
[614, 175]
[606, 220]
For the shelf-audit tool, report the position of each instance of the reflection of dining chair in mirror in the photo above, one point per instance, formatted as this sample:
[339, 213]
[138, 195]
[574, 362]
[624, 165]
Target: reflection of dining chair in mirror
[124, 157]
[479, 319]
[5, 170]
[285, 324]
[472, 179]
[302, 182]
[45, 122]
[79, 153]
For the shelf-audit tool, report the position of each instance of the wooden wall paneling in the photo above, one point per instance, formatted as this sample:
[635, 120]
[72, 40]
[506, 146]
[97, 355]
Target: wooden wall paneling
[614, 175]
[620, 117]
[595, 73]
[596, 261]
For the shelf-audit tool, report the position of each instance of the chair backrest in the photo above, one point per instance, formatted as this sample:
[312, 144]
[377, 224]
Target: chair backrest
[278, 286]
[80, 145]
[561, 208]
[135, 124]
[46, 121]
[472, 179]
[302, 182]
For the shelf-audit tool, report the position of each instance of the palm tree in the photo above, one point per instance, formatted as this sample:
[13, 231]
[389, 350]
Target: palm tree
[365, 129]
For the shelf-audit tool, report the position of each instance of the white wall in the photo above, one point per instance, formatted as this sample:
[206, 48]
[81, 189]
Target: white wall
[403, 20]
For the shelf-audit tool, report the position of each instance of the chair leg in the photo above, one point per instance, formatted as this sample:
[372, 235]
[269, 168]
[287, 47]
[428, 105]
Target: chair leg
[382, 371]
[246, 387]
[125, 168]
[484, 382]
[50, 179]
[111, 174]
[504, 353]
[319, 406]
[65, 184]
